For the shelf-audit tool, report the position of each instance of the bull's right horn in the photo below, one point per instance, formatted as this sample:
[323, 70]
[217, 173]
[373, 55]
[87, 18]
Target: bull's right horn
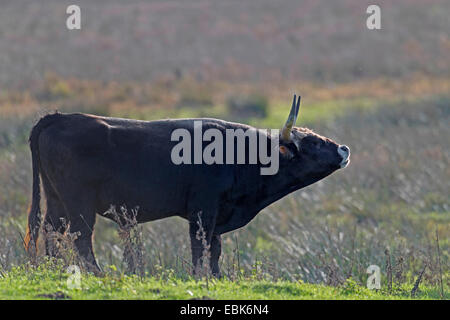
[286, 131]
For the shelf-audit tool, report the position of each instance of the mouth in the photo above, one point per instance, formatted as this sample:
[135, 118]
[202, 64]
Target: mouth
[344, 163]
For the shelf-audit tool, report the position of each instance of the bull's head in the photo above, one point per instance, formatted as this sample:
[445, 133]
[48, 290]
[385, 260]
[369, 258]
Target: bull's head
[309, 153]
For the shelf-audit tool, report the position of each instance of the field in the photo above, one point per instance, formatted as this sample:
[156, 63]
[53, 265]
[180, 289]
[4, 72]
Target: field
[386, 96]
[45, 284]
[385, 209]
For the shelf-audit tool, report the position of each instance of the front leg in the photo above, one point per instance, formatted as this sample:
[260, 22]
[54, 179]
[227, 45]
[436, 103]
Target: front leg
[201, 227]
[216, 250]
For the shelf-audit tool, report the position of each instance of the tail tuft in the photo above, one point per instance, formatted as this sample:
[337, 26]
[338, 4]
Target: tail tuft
[27, 241]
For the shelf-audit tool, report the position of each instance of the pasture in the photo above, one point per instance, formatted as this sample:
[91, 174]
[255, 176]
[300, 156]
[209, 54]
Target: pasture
[385, 94]
[385, 209]
[49, 281]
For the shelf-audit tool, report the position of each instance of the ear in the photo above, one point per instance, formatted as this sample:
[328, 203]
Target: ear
[286, 152]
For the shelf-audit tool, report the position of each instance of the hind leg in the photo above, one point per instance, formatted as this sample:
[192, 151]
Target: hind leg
[83, 225]
[80, 207]
[55, 225]
[55, 221]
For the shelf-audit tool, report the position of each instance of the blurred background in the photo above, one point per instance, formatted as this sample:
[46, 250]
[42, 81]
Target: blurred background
[385, 93]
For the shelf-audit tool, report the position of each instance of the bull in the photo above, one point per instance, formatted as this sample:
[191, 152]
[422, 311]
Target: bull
[87, 163]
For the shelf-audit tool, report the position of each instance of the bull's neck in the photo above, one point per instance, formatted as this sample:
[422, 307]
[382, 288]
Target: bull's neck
[266, 189]
[272, 188]
[275, 187]
[262, 190]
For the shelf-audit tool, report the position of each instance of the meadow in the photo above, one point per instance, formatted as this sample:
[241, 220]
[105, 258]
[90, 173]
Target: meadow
[385, 94]
[389, 207]
[49, 281]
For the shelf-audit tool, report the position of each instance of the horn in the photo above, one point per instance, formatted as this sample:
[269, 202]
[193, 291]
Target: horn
[286, 131]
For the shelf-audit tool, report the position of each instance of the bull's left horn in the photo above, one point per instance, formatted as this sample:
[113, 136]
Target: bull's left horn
[286, 131]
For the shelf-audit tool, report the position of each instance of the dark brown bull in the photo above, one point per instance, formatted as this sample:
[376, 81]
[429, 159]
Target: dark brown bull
[88, 163]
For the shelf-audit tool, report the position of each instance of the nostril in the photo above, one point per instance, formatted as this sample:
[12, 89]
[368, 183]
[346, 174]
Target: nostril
[345, 149]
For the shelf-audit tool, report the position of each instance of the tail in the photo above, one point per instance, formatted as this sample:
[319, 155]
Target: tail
[34, 213]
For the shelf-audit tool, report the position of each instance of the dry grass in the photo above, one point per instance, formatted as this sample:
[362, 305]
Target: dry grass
[255, 41]
[139, 60]
[327, 233]
[130, 234]
[167, 97]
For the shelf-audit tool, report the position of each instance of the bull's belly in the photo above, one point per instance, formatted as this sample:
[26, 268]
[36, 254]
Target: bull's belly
[146, 202]
[143, 215]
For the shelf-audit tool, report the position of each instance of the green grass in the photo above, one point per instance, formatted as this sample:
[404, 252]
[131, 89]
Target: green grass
[46, 282]
[277, 112]
[311, 112]
[369, 216]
